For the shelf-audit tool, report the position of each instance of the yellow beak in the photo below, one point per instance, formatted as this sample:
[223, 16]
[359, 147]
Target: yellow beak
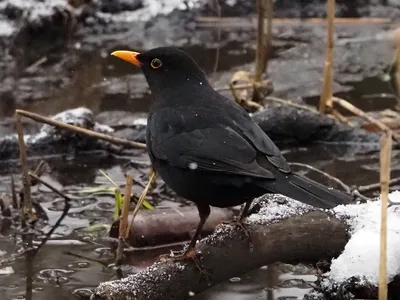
[128, 56]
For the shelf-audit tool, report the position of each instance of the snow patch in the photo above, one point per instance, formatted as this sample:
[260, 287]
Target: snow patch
[360, 257]
[6, 29]
[278, 208]
[37, 9]
[140, 122]
[151, 8]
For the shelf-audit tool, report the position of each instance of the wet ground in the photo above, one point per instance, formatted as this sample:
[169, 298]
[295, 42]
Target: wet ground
[84, 74]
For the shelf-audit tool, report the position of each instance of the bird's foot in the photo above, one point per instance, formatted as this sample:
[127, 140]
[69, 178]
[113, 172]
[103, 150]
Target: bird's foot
[239, 222]
[185, 255]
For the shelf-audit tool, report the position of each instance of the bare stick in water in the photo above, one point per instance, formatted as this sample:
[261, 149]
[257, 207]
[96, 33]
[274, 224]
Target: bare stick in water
[326, 95]
[386, 153]
[123, 221]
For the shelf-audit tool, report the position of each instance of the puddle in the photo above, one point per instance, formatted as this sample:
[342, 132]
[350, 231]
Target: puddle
[371, 94]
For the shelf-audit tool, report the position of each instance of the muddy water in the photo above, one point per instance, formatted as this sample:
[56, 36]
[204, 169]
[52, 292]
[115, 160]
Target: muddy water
[55, 272]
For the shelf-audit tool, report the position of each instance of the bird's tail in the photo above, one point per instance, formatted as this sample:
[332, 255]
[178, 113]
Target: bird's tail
[307, 191]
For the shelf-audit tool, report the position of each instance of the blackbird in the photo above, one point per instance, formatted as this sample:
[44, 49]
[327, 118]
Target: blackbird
[207, 148]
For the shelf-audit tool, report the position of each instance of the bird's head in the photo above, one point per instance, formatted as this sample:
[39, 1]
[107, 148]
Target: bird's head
[165, 68]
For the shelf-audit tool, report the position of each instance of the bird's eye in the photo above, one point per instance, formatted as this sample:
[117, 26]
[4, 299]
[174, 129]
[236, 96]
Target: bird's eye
[156, 63]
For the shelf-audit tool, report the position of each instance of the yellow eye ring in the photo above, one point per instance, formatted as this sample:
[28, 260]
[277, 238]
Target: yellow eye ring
[156, 63]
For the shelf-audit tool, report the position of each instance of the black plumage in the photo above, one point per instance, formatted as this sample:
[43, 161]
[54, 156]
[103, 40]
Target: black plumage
[207, 148]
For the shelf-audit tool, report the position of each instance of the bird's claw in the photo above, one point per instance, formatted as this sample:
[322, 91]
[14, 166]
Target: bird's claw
[239, 221]
[189, 254]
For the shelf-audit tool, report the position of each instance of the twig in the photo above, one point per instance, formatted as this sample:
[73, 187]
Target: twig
[260, 51]
[243, 86]
[14, 194]
[386, 151]
[291, 103]
[376, 186]
[141, 198]
[326, 94]
[350, 107]
[40, 169]
[123, 221]
[61, 218]
[330, 177]
[73, 128]
[27, 205]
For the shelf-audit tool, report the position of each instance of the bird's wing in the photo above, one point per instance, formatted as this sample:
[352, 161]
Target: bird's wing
[217, 149]
[263, 143]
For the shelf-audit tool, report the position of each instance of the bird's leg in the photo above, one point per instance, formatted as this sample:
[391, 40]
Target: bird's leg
[239, 221]
[190, 252]
[245, 210]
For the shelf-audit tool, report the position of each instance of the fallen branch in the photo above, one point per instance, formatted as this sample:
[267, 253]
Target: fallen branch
[298, 236]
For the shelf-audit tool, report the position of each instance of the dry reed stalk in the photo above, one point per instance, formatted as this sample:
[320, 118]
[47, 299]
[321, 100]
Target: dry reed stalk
[26, 210]
[386, 153]
[396, 64]
[123, 220]
[260, 51]
[268, 39]
[325, 101]
[141, 198]
[358, 112]
[73, 128]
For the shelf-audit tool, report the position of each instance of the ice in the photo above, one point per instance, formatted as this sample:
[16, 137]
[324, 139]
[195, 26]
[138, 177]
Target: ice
[360, 257]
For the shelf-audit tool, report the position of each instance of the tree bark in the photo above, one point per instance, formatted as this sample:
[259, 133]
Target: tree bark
[301, 237]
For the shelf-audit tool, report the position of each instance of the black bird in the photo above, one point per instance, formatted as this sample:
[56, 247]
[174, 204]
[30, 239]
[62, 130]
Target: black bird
[207, 148]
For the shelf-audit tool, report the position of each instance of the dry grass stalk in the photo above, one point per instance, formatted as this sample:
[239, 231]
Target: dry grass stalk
[141, 198]
[386, 153]
[268, 39]
[123, 220]
[325, 101]
[73, 128]
[26, 213]
[350, 107]
[260, 51]
[396, 64]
